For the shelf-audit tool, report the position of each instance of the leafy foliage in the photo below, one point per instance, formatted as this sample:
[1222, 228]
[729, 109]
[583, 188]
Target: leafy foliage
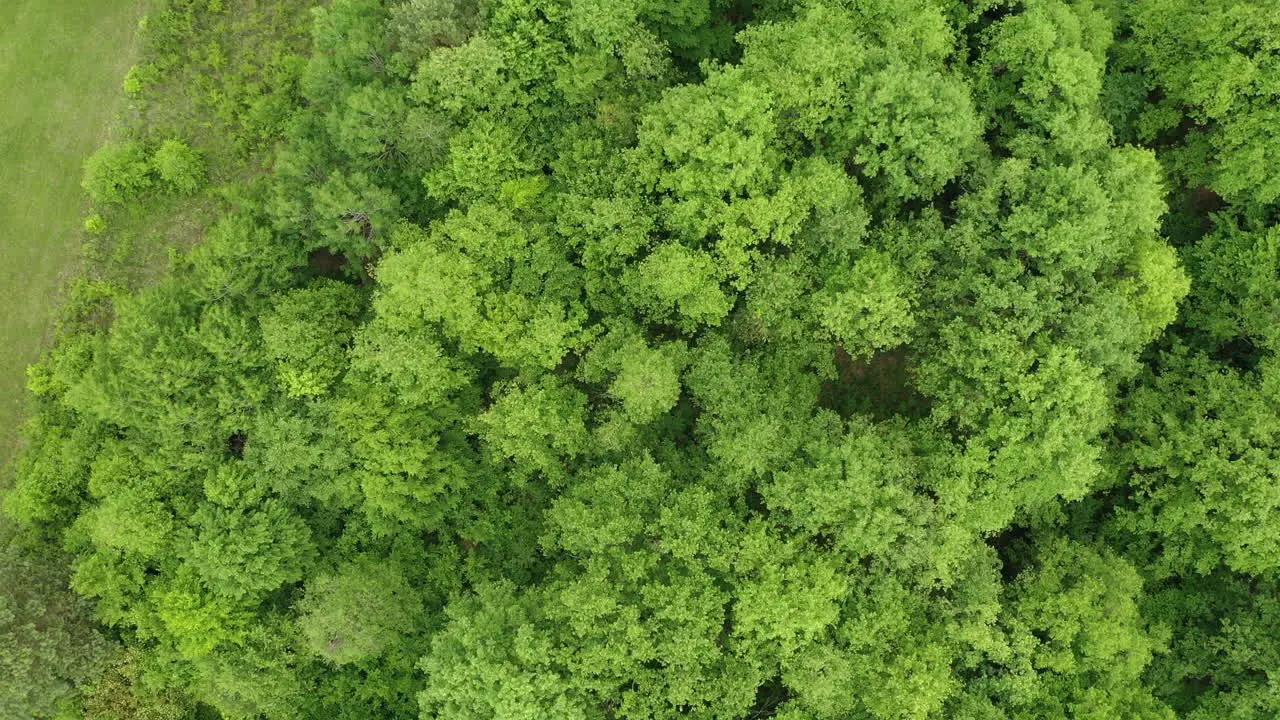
[117, 173]
[693, 359]
[49, 646]
[179, 166]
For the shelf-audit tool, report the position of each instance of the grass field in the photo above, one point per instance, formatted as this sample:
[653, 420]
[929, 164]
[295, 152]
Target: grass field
[61, 63]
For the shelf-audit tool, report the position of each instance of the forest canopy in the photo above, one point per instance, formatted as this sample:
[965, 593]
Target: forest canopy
[602, 360]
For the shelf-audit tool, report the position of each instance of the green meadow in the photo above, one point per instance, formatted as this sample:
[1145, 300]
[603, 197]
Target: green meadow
[61, 62]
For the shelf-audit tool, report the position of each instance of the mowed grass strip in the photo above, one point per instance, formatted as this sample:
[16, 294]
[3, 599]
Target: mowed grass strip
[61, 64]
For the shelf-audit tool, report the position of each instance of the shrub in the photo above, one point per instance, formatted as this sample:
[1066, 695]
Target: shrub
[117, 173]
[139, 78]
[95, 224]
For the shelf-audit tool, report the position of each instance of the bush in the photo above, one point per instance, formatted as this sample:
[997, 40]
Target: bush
[117, 173]
[179, 166]
[139, 78]
[95, 224]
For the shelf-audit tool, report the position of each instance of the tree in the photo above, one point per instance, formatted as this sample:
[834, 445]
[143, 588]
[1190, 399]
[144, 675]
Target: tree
[307, 334]
[676, 284]
[50, 647]
[492, 633]
[868, 309]
[357, 613]
[246, 551]
[121, 694]
[179, 166]
[537, 427]
[1200, 445]
[1077, 644]
[419, 26]
[352, 214]
[1220, 625]
[350, 48]
[367, 125]
[1212, 76]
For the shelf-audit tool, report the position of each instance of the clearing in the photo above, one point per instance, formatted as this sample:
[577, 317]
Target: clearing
[61, 63]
